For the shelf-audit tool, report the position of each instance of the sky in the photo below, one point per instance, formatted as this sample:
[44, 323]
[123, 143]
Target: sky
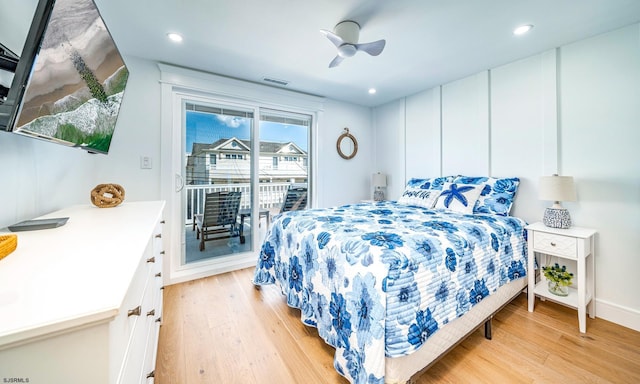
[208, 128]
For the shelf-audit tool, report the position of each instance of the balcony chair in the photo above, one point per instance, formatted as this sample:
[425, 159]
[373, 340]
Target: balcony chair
[295, 199]
[218, 217]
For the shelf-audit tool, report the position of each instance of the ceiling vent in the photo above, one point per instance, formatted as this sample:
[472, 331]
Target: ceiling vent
[282, 83]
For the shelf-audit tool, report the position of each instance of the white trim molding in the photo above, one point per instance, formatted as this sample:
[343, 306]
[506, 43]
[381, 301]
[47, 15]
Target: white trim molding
[627, 317]
[238, 89]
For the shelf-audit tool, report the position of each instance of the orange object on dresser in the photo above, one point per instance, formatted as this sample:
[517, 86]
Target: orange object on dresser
[8, 244]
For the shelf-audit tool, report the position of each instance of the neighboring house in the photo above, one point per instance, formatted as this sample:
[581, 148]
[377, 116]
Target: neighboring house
[228, 161]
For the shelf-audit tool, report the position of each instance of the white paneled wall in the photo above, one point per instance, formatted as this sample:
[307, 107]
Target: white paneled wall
[524, 128]
[423, 127]
[574, 110]
[465, 122]
[600, 147]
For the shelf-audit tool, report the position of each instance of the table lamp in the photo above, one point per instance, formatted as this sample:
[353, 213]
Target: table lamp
[557, 189]
[379, 181]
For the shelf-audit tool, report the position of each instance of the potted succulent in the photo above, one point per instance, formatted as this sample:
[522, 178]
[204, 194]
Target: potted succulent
[558, 279]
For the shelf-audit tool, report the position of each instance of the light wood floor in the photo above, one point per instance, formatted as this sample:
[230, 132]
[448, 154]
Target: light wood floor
[222, 330]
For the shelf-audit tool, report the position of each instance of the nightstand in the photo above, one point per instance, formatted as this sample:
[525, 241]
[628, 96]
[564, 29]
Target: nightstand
[576, 244]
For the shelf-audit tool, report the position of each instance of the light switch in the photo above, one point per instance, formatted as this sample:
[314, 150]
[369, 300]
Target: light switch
[145, 162]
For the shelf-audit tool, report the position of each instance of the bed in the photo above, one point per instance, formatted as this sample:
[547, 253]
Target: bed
[394, 285]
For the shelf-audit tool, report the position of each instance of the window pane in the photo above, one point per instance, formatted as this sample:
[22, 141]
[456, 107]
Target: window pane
[284, 152]
[218, 140]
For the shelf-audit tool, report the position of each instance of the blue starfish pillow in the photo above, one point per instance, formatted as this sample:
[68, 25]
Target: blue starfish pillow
[459, 197]
[496, 197]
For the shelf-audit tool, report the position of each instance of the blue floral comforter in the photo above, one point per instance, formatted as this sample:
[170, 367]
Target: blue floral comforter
[377, 279]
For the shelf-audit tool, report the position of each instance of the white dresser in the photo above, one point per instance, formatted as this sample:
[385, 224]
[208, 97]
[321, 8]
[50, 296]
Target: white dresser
[82, 303]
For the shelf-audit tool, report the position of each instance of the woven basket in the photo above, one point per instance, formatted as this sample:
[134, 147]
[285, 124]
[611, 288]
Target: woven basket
[107, 195]
[8, 244]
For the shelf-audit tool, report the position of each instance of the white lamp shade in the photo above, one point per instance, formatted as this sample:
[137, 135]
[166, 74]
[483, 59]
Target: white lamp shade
[557, 188]
[379, 180]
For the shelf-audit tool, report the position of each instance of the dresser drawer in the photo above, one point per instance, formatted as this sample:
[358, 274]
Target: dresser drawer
[124, 324]
[134, 362]
[555, 244]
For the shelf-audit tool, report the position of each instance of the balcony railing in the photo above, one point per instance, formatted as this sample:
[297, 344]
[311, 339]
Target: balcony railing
[271, 196]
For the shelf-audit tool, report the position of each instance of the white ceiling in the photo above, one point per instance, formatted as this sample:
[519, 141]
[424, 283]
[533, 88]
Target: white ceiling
[429, 42]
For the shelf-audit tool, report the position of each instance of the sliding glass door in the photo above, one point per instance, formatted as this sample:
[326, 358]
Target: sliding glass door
[224, 169]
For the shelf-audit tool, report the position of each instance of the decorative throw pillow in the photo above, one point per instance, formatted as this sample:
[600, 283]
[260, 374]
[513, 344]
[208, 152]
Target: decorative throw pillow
[496, 197]
[419, 197]
[415, 192]
[431, 183]
[459, 197]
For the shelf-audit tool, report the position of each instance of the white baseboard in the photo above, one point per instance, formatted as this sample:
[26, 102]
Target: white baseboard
[627, 317]
[212, 267]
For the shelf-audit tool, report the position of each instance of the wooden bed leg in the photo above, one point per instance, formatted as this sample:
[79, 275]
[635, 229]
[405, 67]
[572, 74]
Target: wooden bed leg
[487, 329]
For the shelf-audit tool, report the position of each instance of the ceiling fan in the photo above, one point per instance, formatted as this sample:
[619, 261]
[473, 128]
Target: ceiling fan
[345, 37]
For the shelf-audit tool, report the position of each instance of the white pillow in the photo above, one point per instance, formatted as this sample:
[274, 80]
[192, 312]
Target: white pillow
[459, 197]
[419, 197]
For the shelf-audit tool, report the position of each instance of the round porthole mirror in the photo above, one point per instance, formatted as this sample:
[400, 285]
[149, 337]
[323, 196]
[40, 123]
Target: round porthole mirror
[347, 145]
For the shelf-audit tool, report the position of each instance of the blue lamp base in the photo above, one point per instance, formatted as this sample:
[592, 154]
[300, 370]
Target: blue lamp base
[557, 218]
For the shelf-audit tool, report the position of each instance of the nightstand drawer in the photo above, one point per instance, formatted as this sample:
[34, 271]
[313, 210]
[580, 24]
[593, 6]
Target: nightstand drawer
[555, 244]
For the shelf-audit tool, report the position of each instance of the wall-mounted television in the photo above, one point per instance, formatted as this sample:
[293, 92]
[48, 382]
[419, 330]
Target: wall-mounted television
[68, 83]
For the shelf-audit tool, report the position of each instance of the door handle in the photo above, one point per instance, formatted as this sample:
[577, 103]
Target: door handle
[179, 182]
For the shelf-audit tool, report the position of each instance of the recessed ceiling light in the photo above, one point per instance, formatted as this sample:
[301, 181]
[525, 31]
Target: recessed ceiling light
[521, 30]
[175, 37]
[372, 91]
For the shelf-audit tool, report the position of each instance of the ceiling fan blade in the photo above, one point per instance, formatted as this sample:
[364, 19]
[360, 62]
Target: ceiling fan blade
[335, 39]
[374, 48]
[337, 60]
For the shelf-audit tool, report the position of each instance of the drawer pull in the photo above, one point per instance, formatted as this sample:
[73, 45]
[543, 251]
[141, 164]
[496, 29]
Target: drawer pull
[162, 222]
[159, 274]
[151, 312]
[159, 319]
[159, 235]
[151, 374]
[553, 244]
[162, 252]
[134, 312]
[151, 260]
